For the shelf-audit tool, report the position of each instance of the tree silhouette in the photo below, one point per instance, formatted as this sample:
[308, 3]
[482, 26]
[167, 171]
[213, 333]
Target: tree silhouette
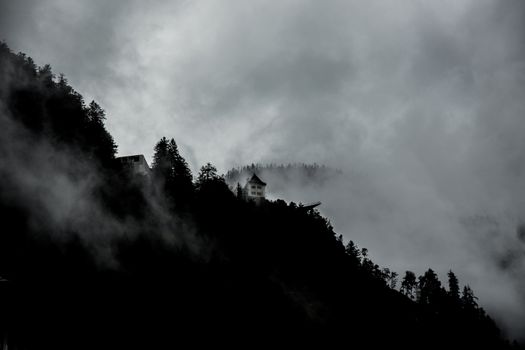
[453, 285]
[208, 173]
[181, 170]
[429, 287]
[172, 171]
[468, 299]
[46, 76]
[182, 179]
[162, 166]
[409, 285]
[238, 191]
[353, 252]
[390, 277]
[105, 148]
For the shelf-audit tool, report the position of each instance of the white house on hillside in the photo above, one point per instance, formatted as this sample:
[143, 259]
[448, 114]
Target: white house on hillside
[255, 189]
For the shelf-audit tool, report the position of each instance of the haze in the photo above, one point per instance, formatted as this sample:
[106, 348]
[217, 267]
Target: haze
[419, 103]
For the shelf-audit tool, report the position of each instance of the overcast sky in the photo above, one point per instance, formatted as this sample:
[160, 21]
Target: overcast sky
[420, 103]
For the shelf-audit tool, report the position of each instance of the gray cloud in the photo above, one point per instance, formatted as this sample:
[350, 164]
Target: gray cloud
[419, 103]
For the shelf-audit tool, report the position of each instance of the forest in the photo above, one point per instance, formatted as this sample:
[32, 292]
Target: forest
[95, 256]
[301, 173]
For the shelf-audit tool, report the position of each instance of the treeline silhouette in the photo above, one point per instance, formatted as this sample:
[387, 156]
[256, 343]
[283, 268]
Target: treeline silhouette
[170, 258]
[300, 174]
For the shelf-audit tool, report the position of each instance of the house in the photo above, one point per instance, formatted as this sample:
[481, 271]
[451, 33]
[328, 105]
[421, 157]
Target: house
[255, 189]
[136, 164]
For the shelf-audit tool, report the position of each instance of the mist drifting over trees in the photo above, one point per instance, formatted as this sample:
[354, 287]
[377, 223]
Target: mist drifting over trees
[419, 103]
[95, 256]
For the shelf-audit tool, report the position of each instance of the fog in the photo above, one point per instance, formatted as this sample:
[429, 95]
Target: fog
[58, 190]
[420, 104]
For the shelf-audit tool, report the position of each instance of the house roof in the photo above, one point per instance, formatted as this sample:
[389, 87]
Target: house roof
[131, 156]
[255, 179]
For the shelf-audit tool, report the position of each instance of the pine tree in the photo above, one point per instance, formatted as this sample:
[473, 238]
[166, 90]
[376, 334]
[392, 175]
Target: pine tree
[211, 186]
[162, 168]
[429, 287]
[239, 191]
[468, 299]
[208, 173]
[103, 145]
[182, 177]
[352, 250]
[46, 76]
[181, 170]
[453, 285]
[95, 113]
[409, 285]
[390, 277]
[172, 170]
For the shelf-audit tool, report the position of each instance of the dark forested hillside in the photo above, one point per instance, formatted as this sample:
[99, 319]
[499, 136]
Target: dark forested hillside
[93, 256]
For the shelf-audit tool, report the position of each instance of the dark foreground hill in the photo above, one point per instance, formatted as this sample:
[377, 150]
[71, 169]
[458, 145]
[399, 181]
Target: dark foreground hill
[93, 256]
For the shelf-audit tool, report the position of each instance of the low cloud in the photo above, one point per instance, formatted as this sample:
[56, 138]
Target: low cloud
[58, 188]
[419, 104]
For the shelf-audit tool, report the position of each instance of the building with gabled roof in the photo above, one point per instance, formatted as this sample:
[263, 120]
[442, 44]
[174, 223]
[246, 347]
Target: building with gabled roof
[255, 189]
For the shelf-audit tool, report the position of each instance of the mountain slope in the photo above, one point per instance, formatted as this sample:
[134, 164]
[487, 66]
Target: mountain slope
[97, 257]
